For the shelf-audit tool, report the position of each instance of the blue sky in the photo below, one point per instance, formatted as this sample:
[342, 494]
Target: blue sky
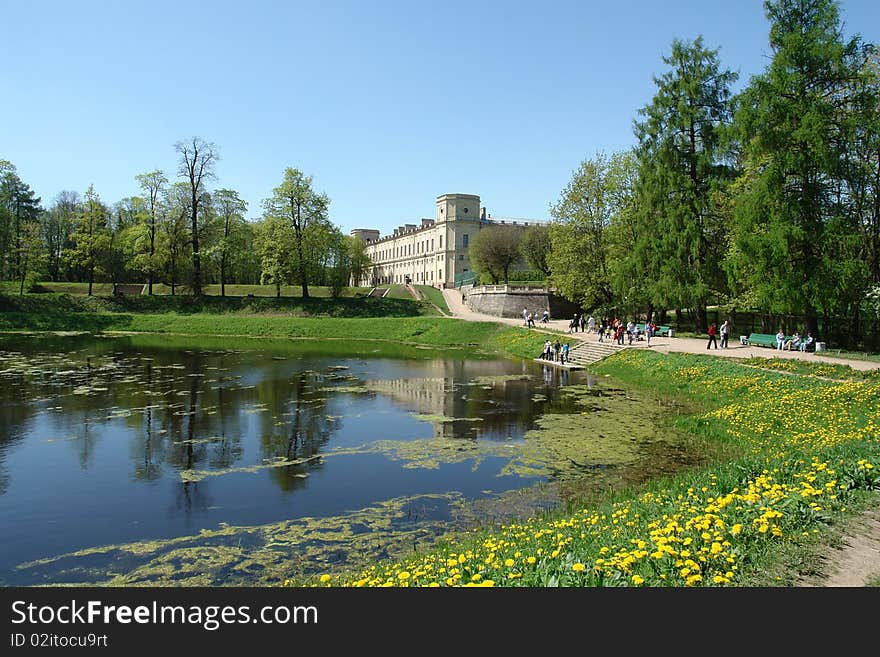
[386, 104]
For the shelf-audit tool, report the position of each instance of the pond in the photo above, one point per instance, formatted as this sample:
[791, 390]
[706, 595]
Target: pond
[156, 460]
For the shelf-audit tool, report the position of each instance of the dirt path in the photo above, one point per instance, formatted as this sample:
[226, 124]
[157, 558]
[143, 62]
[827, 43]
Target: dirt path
[856, 560]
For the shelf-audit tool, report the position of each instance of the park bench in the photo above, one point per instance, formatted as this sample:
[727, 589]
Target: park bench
[767, 340]
[763, 340]
[128, 288]
[661, 330]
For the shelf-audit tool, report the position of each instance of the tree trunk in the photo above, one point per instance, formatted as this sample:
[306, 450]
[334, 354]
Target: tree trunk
[223, 275]
[152, 252]
[811, 321]
[197, 273]
[855, 331]
[91, 278]
[700, 318]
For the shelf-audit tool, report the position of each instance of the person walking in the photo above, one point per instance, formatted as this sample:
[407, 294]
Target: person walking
[591, 324]
[712, 339]
[583, 323]
[649, 332]
[725, 334]
[565, 349]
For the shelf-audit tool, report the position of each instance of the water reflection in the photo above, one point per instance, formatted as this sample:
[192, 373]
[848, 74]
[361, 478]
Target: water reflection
[114, 442]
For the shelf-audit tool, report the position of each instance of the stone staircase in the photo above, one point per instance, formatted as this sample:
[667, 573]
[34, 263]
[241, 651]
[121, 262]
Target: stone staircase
[586, 352]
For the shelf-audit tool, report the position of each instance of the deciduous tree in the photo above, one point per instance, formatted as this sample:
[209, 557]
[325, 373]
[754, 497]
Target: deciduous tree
[306, 210]
[495, 250]
[196, 166]
[230, 209]
[152, 186]
[91, 236]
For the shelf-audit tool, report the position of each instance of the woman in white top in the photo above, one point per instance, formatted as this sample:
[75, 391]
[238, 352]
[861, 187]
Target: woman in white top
[780, 340]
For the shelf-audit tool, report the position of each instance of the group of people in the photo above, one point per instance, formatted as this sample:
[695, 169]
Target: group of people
[713, 332]
[555, 352]
[618, 332]
[529, 318]
[796, 341]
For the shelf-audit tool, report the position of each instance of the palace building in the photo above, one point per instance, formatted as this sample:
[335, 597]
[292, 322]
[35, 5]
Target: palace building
[433, 252]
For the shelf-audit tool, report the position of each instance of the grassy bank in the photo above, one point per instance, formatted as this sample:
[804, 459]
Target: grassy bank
[160, 289]
[435, 296]
[391, 320]
[63, 304]
[804, 453]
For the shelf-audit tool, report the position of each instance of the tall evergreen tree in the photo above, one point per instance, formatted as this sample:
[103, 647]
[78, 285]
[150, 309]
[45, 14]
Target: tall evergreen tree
[790, 246]
[19, 208]
[682, 161]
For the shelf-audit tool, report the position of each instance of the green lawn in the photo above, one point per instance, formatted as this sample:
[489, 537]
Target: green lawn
[397, 292]
[56, 305]
[435, 296]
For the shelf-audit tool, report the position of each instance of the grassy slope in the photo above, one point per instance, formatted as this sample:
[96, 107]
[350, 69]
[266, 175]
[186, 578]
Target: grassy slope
[396, 320]
[287, 291]
[435, 296]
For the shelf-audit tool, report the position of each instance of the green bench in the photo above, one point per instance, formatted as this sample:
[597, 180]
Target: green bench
[763, 340]
[661, 330]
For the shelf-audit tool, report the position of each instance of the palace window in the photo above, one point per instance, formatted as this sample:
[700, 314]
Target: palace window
[464, 240]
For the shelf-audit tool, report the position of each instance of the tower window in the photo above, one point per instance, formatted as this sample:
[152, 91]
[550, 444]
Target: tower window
[464, 240]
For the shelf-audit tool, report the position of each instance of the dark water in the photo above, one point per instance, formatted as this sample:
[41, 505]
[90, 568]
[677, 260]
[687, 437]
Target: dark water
[145, 460]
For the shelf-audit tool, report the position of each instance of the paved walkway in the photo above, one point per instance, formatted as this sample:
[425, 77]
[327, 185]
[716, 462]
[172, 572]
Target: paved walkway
[664, 345]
